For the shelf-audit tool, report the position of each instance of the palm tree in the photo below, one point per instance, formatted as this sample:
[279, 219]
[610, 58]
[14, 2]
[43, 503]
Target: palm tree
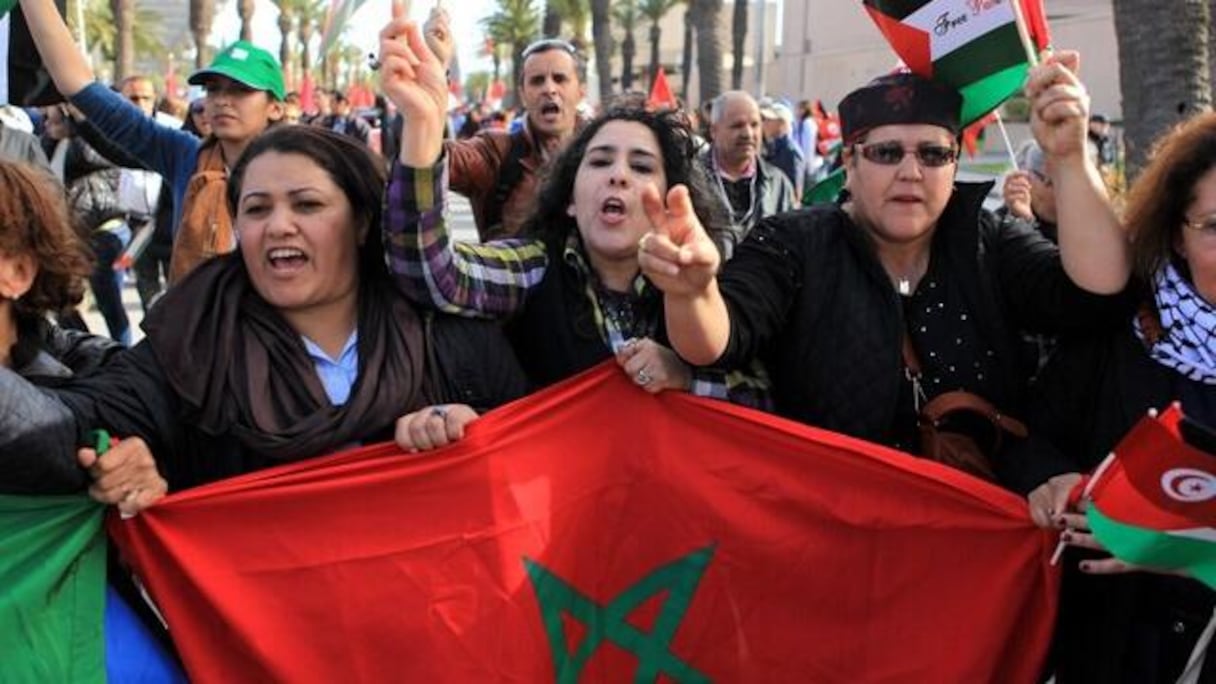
[202, 14]
[689, 41]
[287, 21]
[575, 15]
[310, 14]
[625, 13]
[738, 33]
[100, 32]
[601, 36]
[552, 23]
[709, 49]
[244, 9]
[1164, 70]
[123, 13]
[515, 24]
[654, 11]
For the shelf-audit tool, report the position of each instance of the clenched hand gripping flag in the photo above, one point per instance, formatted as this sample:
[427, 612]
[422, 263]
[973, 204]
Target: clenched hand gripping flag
[982, 48]
[1155, 505]
[594, 532]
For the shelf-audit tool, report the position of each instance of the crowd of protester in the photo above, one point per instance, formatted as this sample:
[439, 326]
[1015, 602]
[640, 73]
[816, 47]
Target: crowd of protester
[304, 293]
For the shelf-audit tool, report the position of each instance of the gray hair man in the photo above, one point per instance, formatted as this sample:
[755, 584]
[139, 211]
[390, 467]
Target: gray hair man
[751, 187]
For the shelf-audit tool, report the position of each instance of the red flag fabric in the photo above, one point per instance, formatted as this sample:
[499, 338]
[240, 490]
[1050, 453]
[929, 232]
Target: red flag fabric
[660, 93]
[594, 532]
[1157, 480]
[1036, 23]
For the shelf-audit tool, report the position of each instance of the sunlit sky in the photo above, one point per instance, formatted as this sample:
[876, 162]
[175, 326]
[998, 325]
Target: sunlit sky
[365, 26]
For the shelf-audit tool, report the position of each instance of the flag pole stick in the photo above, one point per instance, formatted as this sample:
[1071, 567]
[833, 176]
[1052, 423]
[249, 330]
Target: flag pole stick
[1089, 489]
[1000, 123]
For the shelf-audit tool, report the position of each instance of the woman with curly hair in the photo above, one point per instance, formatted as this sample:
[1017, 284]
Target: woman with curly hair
[1115, 624]
[568, 288]
[43, 264]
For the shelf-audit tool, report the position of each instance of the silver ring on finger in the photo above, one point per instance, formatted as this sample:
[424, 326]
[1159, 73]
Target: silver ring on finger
[642, 378]
[441, 411]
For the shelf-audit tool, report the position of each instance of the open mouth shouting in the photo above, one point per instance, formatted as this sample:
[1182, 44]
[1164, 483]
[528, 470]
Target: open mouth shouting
[550, 111]
[613, 211]
[286, 260]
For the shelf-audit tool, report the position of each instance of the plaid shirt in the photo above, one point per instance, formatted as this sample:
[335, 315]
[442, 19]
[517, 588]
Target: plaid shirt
[493, 279]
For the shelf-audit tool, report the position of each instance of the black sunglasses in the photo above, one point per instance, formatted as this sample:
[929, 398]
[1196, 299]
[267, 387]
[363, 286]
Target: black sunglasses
[547, 44]
[891, 153]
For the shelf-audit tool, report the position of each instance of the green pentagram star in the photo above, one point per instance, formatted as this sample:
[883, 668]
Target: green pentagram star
[678, 578]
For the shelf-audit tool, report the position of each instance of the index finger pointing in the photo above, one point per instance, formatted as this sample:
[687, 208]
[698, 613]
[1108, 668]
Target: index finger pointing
[652, 203]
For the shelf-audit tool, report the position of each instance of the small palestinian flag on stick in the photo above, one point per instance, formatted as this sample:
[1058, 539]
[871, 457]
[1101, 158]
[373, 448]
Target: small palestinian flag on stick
[982, 48]
[1155, 505]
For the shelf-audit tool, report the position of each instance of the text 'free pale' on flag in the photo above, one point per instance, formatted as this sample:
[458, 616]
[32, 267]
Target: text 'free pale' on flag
[982, 48]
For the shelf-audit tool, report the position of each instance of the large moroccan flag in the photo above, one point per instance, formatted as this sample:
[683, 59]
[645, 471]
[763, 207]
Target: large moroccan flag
[52, 589]
[594, 532]
[982, 48]
[1155, 504]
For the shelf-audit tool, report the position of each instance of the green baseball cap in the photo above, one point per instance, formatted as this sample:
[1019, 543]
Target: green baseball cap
[245, 63]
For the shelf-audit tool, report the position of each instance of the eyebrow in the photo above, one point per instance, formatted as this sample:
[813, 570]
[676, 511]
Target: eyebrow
[267, 193]
[614, 148]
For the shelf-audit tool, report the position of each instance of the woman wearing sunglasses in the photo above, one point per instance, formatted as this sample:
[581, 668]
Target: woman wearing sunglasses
[865, 311]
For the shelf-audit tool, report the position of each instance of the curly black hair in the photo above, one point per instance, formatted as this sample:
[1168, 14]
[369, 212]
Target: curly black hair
[678, 145]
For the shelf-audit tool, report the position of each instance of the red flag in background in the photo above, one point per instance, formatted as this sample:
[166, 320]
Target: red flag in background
[973, 133]
[594, 532]
[661, 96]
[308, 94]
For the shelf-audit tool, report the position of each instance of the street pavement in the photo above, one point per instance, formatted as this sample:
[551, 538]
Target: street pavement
[460, 215]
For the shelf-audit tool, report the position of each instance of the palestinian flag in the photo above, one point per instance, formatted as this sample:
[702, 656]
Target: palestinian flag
[671, 538]
[52, 570]
[982, 48]
[23, 80]
[1155, 504]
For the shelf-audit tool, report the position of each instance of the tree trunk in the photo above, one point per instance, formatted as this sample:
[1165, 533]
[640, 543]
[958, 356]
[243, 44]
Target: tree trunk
[601, 35]
[244, 9]
[202, 13]
[709, 48]
[552, 24]
[1164, 69]
[655, 34]
[686, 58]
[124, 38]
[628, 49]
[286, 23]
[738, 33]
[304, 30]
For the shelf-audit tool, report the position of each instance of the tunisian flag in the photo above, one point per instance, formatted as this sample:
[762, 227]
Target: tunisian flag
[594, 532]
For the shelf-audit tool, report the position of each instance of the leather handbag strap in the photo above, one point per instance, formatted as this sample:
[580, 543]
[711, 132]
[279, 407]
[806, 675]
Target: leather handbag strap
[959, 400]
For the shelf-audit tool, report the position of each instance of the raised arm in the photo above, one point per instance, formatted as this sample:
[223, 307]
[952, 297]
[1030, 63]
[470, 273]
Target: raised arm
[1093, 246]
[489, 280]
[62, 58]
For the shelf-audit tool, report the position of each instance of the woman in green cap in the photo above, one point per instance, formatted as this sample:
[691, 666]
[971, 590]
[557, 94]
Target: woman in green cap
[245, 91]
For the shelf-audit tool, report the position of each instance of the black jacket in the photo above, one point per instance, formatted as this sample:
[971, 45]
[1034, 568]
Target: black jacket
[1139, 627]
[34, 459]
[807, 293]
[469, 362]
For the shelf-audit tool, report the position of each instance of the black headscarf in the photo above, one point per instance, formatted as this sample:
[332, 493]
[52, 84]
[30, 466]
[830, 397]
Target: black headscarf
[241, 370]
